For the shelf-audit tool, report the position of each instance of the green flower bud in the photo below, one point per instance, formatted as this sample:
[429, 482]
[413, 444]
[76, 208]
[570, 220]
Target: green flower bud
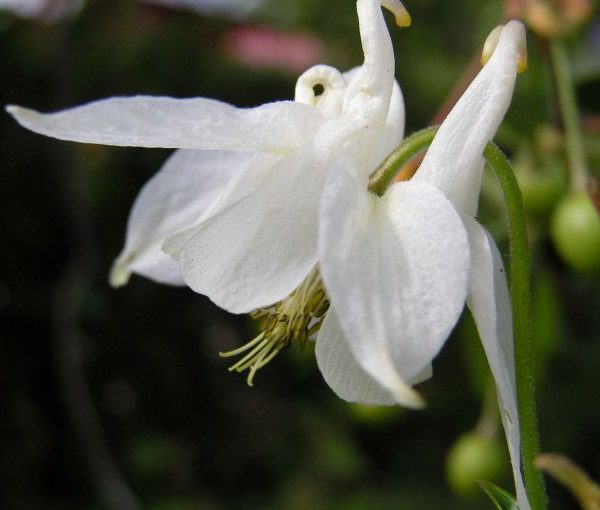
[575, 232]
[474, 457]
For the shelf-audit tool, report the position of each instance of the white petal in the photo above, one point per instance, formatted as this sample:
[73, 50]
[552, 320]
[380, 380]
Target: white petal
[396, 270]
[197, 123]
[375, 77]
[393, 129]
[342, 372]
[173, 200]
[256, 252]
[333, 83]
[454, 158]
[490, 304]
[369, 89]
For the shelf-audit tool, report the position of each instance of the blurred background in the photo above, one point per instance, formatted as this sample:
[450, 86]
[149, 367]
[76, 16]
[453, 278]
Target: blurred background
[117, 399]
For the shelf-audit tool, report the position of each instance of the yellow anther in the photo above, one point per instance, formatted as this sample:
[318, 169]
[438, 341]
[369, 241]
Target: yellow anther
[315, 300]
[257, 314]
[282, 324]
[301, 323]
[399, 11]
[278, 332]
[321, 309]
[302, 337]
[492, 41]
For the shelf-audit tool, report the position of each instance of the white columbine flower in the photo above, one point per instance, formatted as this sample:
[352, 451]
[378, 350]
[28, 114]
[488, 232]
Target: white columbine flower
[398, 268]
[247, 181]
[259, 203]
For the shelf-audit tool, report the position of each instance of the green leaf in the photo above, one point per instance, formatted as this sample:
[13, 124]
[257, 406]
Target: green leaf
[502, 499]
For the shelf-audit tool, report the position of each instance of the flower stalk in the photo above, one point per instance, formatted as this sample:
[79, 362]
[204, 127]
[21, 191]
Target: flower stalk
[384, 176]
[519, 273]
[570, 117]
[520, 265]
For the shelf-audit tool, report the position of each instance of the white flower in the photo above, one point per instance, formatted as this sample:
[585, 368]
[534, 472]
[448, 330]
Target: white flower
[266, 200]
[398, 268]
[248, 182]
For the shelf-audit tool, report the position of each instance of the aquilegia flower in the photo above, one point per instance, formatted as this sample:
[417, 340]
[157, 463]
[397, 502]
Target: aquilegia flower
[267, 210]
[243, 170]
[416, 253]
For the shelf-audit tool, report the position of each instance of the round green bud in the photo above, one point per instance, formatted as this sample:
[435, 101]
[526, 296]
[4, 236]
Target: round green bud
[474, 457]
[575, 232]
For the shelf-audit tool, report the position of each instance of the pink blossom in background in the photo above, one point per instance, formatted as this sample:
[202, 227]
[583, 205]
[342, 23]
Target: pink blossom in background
[262, 47]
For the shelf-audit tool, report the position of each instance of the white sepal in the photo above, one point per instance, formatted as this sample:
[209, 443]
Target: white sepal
[173, 200]
[490, 305]
[197, 123]
[453, 161]
[396, 270]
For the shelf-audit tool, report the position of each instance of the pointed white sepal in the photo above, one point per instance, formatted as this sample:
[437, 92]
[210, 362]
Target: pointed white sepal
[489, 303]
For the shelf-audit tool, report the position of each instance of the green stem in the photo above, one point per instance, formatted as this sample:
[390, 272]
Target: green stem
[521, 302]
[384, 176]
[567, 101]
[520, 293]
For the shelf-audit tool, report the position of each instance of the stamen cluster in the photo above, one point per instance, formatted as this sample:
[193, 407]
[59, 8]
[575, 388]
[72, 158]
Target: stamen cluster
[295, 318]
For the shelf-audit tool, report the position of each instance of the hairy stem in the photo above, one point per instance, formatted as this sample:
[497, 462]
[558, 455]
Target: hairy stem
[519, 287]
[521, 302]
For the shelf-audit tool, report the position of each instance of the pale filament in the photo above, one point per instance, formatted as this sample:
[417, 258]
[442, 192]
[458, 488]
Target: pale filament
[294, 319]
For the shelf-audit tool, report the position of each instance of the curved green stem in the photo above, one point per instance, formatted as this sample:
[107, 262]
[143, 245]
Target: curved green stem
[519, 287]
[521, 302]
[383, 177]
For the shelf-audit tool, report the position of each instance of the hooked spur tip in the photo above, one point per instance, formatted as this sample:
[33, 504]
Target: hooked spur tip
[119, 274]
[407, 396]
[403, 19]
[492, 41]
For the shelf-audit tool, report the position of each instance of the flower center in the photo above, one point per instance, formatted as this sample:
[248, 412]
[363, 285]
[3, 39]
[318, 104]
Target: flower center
[295, 318]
